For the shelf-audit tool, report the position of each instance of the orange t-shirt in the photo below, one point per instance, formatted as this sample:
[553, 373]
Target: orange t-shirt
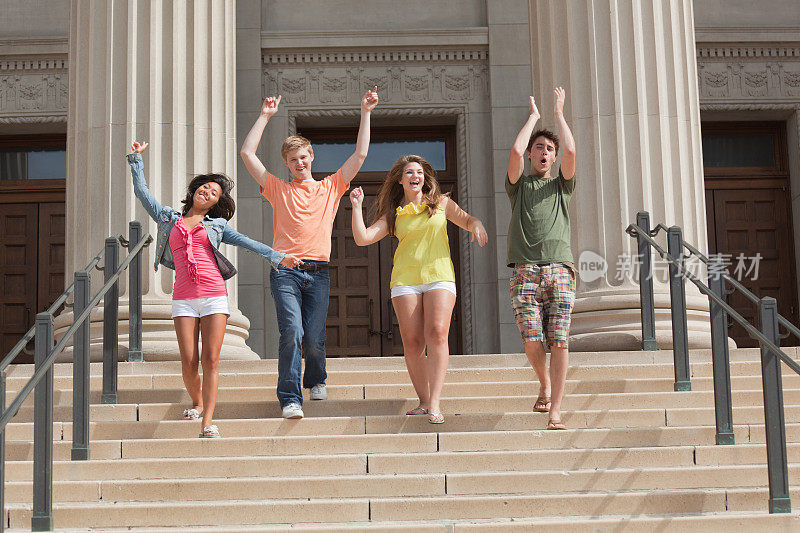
[303, 214]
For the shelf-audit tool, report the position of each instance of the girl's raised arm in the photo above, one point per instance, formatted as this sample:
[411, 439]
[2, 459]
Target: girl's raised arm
[361, 234]
[151, 205]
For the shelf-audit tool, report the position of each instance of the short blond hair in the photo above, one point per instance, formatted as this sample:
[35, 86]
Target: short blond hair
[293, 143]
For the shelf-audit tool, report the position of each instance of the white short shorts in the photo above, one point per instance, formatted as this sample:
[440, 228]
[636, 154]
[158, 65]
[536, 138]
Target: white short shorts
[200, 307]
[400, 290]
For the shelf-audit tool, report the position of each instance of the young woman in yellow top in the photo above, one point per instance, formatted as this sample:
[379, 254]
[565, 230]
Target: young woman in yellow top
[411, 207]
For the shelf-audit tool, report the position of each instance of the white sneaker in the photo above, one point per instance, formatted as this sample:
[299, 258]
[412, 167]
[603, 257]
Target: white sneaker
[318, 392]
[292, 410]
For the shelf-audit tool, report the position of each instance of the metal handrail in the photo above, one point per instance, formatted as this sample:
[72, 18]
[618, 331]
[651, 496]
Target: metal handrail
[768, 338]
[76, 323]
[20, 346]
[46, 352]
[753, 332]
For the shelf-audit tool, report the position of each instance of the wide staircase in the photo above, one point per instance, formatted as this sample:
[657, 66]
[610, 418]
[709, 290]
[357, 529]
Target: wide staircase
[637, 456]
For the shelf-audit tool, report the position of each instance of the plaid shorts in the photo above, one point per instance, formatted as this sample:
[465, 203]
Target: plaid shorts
[543, 297]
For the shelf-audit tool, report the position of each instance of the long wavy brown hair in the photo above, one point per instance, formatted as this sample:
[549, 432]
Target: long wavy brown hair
[392, 195]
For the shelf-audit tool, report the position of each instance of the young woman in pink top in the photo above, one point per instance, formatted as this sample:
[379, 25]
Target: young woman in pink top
[188, 242]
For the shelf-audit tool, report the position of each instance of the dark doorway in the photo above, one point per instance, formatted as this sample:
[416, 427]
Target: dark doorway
[748, 209]
[32, 232]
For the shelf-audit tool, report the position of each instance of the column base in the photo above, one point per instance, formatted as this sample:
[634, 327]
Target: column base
[611, 320]
[158, 334]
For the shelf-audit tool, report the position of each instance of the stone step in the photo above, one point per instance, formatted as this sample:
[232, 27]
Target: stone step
[219, 467]
[677, 417]
[178, 514]
[726, 522]
[272, 487]
[658, 357]
[178, 394]
[453, 405]
[403, 463]
[411, 442]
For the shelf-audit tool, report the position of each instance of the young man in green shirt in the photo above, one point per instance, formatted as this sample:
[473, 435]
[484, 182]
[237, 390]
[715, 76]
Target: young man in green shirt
[543, 282]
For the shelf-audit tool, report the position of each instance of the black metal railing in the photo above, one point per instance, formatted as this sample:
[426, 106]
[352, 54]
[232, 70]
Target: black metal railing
[768, 337]
[46, 351]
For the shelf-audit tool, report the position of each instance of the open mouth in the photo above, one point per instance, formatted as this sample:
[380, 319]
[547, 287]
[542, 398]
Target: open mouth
[414, 183]
[543, 161]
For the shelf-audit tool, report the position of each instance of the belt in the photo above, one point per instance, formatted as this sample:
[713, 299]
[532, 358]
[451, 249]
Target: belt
[312, 267]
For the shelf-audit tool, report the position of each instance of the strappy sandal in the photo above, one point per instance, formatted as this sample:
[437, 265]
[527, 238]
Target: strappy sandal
[555, 424]
[418, 411]
[210, 432]
[435, 418]
[542, 404]
[191, 414]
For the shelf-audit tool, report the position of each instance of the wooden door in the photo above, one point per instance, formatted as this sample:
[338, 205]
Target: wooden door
[354, 311]
[755, 224]
[748, 210]
[18, 271]
[51, 239]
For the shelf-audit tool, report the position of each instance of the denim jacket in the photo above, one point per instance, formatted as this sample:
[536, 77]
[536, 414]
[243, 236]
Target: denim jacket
[165, 217]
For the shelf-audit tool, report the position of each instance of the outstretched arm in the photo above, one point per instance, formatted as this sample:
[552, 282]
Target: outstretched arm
[516, 161]
[362, 235]
[464, 220]
[250, 145]
[351, 167]
[274, 257]
[567, 141]
[140, 189]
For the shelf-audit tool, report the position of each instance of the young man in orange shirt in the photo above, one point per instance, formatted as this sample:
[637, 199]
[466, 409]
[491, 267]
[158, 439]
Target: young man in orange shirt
[303, 214]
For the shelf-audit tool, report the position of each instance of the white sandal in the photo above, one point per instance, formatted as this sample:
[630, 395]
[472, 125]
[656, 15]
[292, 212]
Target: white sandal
[191, 414]
[210, 432]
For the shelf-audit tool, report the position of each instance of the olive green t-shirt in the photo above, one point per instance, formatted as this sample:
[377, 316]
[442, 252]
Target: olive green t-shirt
[539, 229]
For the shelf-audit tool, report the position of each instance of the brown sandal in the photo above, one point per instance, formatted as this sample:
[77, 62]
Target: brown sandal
[555, 423]
[542, 404]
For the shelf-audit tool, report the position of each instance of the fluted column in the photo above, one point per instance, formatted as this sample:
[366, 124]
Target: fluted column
[159, 71]
[629, 71]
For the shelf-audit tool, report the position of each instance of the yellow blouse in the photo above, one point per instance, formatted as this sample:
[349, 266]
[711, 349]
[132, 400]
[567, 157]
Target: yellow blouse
[423, 254]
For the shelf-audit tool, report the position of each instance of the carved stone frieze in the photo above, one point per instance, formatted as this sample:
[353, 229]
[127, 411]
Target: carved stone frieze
[742, 72]
[410, 77]
[33, 90]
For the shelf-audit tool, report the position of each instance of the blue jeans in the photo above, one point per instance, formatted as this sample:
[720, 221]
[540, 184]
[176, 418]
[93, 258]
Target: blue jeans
[301, 302]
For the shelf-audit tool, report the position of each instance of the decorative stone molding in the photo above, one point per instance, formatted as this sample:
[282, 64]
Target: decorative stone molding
[33, 90]
[402, 76]
[465, 251]
[744, 71]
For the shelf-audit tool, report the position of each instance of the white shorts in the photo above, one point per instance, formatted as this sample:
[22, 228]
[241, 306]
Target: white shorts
[400, 290]
[200, 307]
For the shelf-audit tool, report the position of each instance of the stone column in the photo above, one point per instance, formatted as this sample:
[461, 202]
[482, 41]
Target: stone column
[164, 72]
[629, 71]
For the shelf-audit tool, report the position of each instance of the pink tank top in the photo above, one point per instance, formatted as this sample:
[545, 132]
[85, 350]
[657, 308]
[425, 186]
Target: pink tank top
[196, 271]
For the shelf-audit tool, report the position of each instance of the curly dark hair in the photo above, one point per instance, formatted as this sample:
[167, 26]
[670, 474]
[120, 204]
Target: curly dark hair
[547, 134]
[225, 206]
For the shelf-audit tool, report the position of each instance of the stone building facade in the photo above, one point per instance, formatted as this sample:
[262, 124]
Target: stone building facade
[647, 83]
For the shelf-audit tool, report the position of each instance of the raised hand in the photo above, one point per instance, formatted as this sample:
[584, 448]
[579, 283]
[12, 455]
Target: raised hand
[532, 107]
[290, 261]
[370, 99]
[478, 232]
[270, 106]
[356, 197]
[560, 95]
[138, 148]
